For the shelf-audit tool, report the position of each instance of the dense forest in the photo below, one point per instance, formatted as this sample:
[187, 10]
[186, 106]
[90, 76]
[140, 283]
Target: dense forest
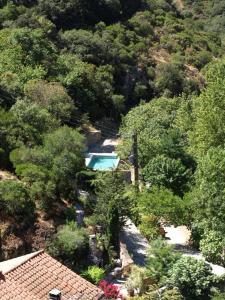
[154, 67]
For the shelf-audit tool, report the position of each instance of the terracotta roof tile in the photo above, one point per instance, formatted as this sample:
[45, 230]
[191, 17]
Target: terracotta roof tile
[36, 277]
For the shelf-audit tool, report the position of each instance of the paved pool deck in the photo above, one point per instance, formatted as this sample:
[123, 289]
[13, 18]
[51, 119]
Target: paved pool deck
[105, 146]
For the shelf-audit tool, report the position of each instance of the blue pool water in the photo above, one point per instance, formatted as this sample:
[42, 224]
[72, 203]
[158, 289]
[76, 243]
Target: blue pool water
[103, 163]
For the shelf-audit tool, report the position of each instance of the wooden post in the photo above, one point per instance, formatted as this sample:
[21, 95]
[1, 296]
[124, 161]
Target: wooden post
[135, 155]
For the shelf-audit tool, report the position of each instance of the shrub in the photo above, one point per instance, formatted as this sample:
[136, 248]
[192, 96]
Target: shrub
[219, 296]
[169, 77]
[172, 294]
[94, 274]
[15, 198]
[87, 201]
[201, 59]
[212, 246]
[192, 277]
[160, 259]
[136, 279]
[149, 227]
[111, 291]
[69, 241]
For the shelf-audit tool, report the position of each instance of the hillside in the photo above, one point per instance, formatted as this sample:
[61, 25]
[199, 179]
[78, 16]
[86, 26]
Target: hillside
[119, 52]
[209, 13]
[148, 71]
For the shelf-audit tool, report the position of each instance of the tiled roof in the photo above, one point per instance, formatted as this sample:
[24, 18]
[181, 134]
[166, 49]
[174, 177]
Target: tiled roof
[36, 276]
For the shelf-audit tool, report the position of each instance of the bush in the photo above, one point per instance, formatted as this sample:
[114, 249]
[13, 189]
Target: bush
[149, 227]
[87, 201]
[94, 274]
[70, 242]
[136, 279]
[15, 199]
[172, 294]
[219, 296]
[160, 259]
[212, 246]
[201, 59]
[111, 291]
[84, 179]
[192, 277]
[169, 77]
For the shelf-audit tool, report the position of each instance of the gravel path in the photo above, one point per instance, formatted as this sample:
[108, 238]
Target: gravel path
[136, 244]
[179, 237]
[137, 247]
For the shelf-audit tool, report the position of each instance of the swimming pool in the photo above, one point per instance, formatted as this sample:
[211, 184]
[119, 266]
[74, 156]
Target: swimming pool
[103, 162]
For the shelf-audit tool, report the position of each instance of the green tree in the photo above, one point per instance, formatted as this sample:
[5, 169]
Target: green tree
[76, 12]
[89, 47]
[169, 77]
[153, 123]
[209, 117]
[166, 172]
[208, 194]
[51, 96]
[161, 202]
[7, 123]
[91, 87]
[160, 260]
[32, 122]
[219, 296]
[50, 169]
[25, 54]
[113, 205]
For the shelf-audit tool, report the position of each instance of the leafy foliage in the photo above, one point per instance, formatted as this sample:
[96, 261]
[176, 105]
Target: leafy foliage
[149, 226]
[212, 247]
[50, 169]
[159, 137]
[160, 260]
[163, 203]
[51, 96]
[193, 278]
[136, 279]
[63, 63]
[94, 274]
[208, 130]
[208, 197]
[15, 199]
[113, 205]
[167, 172]
[70, 242]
